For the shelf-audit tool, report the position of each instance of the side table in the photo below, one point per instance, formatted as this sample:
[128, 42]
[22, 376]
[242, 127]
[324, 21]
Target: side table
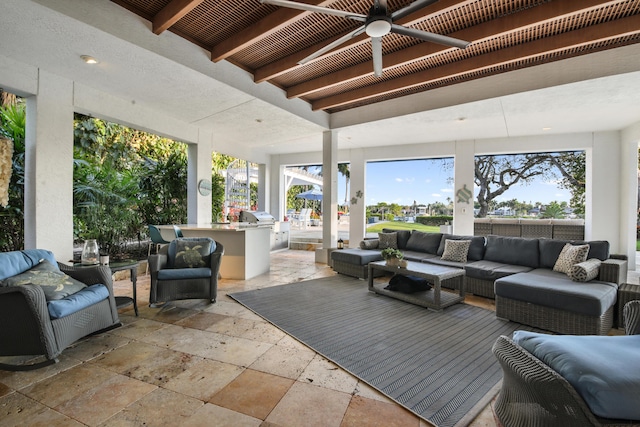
[626, 292]
[132, 266]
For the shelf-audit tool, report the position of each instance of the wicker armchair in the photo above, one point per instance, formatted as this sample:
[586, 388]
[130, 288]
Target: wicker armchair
[534, 395]
[171, 281]
[26, 327]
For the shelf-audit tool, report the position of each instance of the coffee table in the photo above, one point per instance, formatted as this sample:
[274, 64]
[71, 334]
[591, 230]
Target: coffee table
[438, 275]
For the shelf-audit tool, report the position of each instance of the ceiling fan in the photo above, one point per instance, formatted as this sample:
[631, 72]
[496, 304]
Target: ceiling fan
[376, 24]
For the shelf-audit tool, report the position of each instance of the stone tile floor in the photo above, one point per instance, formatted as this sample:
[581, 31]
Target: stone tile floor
[194, 364]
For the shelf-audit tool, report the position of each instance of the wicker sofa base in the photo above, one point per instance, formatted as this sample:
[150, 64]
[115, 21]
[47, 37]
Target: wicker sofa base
[552, 319]
[359, 271]
[483, 288]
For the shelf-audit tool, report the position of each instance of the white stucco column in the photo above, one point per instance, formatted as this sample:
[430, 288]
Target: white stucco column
[199, 168]
[603, 196]
[329, 193]
[357, 205]
[463, 188]
[629, 192]
[263, 188]
[48, 198]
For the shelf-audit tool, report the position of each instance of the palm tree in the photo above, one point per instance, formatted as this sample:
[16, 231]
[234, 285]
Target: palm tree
[343, 168]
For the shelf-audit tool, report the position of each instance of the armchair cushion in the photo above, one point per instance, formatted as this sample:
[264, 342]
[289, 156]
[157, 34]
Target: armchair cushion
[82, 299]
[17, 262]
[55, 284]
[184, 273]
[600, 368]
[191, 252]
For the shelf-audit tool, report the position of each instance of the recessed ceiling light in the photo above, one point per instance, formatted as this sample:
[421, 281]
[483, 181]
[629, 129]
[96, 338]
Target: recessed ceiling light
[89, 59]
[546, 129]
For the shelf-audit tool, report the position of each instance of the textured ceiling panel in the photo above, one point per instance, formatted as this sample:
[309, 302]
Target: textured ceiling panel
[269, 41]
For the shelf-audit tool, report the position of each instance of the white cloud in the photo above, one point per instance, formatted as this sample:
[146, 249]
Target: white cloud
[447, 190]
[398, 179]
[436, 195]
[428, 181]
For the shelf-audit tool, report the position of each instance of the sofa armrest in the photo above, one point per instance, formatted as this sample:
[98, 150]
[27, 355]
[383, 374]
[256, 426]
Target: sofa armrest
[613, 270]
[632, 317]
[157, 262]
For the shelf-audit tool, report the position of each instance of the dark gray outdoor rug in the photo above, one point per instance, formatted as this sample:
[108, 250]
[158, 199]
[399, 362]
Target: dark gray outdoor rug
[439, 365]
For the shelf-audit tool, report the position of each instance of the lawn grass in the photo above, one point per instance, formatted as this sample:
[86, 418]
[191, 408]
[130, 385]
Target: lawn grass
[398, 225]
[637, 245]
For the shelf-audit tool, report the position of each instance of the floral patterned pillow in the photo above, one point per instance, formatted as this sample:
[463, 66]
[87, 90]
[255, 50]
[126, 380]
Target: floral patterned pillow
[192, 253]
[55, 284]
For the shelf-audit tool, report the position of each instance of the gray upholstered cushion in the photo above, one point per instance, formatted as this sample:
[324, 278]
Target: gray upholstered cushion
[403, 236]
[356, 256]
[569, 256]
[602, 369]
[184, 273]
[476, 248]
[456, 250]
[388, 240]
[80, 300]
[417, 256]
[369, 244]
[556, 290]
[585, 271]
[550, 249]
[424, 242]
[491, 270]
[513, 250]
[55, 284]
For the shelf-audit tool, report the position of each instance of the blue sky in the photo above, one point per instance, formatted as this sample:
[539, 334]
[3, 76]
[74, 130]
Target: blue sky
[425, 181]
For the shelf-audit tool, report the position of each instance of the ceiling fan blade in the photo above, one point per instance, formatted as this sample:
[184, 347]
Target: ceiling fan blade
[319, 9]
[376, 50]
[333, 45]
[416, 5]
[429, 37]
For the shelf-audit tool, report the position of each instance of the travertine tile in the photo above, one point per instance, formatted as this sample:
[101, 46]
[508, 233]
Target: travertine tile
[374, 413]
[257, 330]
[94, 346]
[105, 400]
[211, 414]
[20, 379]
[224, 348]
[285, 361]
[138, 328]
[323, 373]
[19, 410]
[204, 378]
[159, 408]
[253, 393]
[309, 405]
[202, 320]
[365, 390]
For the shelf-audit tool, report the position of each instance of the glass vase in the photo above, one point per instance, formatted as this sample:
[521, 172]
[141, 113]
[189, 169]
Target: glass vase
[90, 252]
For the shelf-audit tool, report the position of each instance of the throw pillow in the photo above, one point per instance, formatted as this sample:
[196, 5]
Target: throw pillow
[388, 240]
[192, 253]
[570, 256]
[55, 284]
[407, 284]
[369, 244]
[456, 250]
[585, 271]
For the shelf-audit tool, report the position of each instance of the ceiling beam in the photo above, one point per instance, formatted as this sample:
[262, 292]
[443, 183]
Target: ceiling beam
[260, 30]
[487, 30]
[172, 13]
[290, 62]
[605, 31]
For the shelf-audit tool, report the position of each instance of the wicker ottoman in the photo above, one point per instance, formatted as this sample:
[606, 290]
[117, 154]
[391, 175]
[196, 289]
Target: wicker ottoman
[354, 262]
[626, 292]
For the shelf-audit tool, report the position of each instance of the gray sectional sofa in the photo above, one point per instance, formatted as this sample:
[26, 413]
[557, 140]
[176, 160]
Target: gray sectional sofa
[518, 272]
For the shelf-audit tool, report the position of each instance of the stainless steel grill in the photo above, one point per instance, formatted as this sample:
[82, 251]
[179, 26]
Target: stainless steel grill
[257, 217]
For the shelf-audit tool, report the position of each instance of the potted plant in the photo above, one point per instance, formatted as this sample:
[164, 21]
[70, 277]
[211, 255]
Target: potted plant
[392, 256]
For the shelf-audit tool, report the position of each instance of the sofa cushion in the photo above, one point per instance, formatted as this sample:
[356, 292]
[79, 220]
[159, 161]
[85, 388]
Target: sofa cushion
[598, 368]
[424, 242]
[16, 262]
[356, 256]
[569, 256]
[417, 256]
[387, 240]
[439, 261]
[78, 301]
[585, 271]
[476, 248]
[55, 284]
[456, 250]
[556, 290]
[512, 250]
[550, 250]
[369, 244]
[491, 270]
[403, 236]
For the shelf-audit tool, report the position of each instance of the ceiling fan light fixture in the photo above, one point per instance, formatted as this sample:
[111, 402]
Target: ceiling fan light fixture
[378, 28]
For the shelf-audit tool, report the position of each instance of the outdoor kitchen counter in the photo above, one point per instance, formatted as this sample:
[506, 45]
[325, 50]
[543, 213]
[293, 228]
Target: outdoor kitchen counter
[246, 246]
